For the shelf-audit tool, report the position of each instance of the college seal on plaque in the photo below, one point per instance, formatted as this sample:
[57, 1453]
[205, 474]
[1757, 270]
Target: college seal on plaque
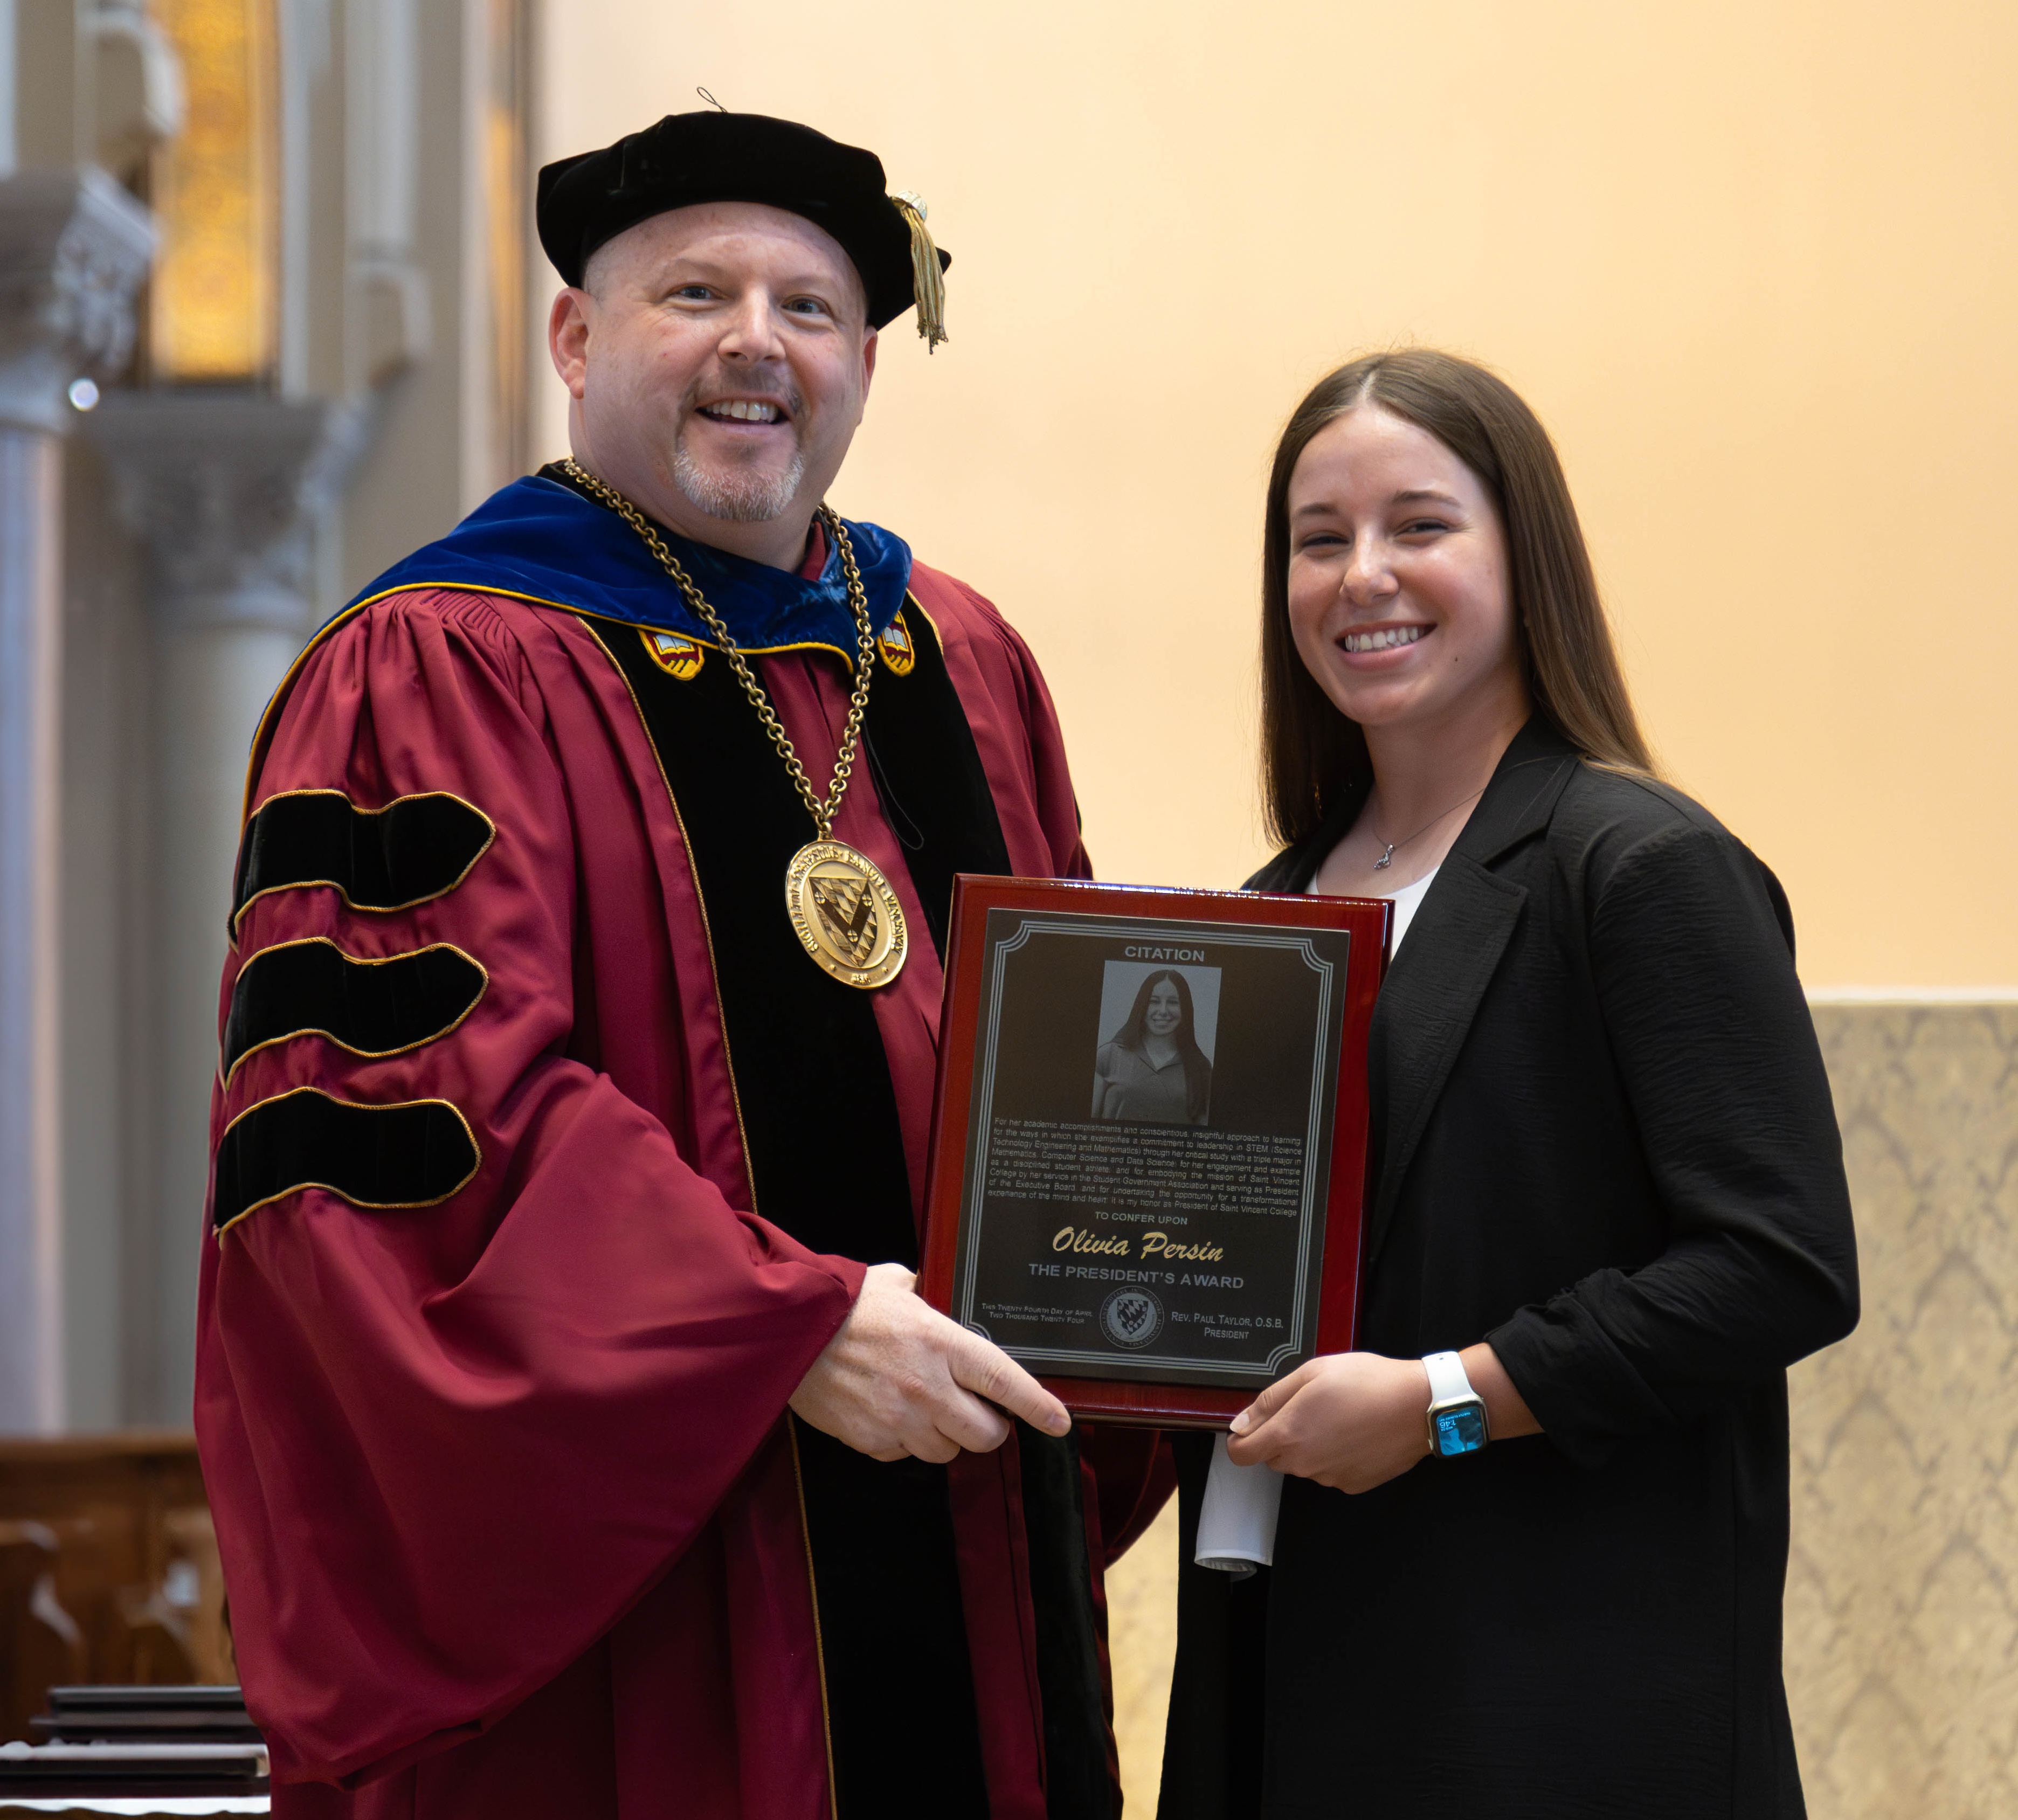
[1131, 1317]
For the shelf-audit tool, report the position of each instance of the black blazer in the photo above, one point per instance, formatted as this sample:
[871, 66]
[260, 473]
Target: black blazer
[1603, 1140]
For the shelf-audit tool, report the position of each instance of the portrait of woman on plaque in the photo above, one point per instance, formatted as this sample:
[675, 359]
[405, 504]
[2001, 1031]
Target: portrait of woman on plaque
[1153, 1069]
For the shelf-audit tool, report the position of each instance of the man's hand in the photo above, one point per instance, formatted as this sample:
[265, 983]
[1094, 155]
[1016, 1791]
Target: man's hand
[900, 1378]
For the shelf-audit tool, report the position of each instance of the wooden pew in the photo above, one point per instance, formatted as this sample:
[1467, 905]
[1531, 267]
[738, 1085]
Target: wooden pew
[40, 1644]
[108, 1568]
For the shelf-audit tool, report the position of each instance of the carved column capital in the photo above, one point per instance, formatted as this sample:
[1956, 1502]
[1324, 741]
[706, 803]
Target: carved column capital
[224, 489]
[75, 248]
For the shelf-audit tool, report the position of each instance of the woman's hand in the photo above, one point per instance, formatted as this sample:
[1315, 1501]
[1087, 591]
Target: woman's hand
[1354, 1420]
[1351, 1420]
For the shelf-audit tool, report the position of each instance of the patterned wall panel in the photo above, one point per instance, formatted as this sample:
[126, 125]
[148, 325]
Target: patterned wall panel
[1902, 1593]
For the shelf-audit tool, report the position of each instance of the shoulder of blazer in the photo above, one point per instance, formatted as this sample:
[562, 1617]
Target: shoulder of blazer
[1599, 801]
[1606, 819]
[1602, 816]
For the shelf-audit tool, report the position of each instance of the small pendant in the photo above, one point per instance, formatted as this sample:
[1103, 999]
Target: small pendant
[1385, 860]
[847, 917]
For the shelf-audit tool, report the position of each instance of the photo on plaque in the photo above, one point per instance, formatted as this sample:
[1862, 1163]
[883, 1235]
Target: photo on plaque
[1149, 1145]
[1155, 1066]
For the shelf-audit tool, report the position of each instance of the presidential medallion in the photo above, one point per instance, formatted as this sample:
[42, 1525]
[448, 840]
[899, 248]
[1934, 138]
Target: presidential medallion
[845, 914]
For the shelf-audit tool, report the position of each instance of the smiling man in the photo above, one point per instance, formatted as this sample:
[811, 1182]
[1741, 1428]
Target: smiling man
[577, 1443]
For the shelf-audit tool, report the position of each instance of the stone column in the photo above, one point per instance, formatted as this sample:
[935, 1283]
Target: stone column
[74, 249]
[225, 491]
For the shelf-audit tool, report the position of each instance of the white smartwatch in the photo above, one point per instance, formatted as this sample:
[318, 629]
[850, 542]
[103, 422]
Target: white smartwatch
[1457, 1412]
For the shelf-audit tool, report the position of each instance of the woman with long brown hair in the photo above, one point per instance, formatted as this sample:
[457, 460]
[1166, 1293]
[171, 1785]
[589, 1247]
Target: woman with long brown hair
[1532, 1537]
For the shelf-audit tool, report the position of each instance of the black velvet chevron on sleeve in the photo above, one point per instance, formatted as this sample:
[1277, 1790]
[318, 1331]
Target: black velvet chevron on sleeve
[370, 1008]
[412, 850]
[407, 1156]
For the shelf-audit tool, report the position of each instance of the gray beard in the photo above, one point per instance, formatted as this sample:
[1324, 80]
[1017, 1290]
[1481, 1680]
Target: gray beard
[738, 498]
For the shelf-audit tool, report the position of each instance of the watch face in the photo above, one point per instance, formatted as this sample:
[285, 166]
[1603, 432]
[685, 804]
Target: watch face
[1461, 1430]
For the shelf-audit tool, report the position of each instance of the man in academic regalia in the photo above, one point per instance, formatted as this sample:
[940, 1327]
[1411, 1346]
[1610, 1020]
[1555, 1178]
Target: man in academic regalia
[578, 1445]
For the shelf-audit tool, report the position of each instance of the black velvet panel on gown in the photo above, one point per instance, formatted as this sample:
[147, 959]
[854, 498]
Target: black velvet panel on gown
[814, 1087]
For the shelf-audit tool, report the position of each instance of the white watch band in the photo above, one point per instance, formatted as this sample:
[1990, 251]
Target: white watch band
[1448, 1383]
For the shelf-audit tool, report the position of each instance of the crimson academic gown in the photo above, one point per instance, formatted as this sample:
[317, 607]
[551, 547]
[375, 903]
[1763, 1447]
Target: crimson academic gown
[495, 1343]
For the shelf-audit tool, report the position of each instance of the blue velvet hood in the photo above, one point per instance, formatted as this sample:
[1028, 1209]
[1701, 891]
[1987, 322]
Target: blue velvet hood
[541, 541]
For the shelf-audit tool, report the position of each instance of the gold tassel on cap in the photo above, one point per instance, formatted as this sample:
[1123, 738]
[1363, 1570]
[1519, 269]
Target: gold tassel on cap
[927, 281]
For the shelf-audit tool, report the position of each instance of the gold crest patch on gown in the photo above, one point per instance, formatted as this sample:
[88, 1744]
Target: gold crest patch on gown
[679, 657]
[895, 645]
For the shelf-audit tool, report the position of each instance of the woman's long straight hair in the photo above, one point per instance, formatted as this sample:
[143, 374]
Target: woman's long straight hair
[1312, 754]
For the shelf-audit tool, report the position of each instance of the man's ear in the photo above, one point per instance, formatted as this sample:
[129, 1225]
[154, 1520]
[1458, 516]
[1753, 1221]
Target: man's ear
[567, 337]
[868, 363]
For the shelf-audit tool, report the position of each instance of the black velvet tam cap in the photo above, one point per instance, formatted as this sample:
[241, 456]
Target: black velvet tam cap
[716, 157]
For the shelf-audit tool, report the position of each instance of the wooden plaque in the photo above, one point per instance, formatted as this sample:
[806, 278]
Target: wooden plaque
[1149, 1140]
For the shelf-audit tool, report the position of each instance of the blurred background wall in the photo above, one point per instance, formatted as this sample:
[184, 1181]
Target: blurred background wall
[1751, 260]
[1753, 264]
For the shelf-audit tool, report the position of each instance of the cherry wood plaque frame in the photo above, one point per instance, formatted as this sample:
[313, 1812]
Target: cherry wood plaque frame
[1367, 920]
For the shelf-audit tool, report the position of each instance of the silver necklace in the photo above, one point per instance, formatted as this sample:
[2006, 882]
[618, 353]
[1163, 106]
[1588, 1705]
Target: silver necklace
[1393, 847]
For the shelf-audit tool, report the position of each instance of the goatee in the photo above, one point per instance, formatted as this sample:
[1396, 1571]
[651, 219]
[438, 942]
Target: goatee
[740, 498]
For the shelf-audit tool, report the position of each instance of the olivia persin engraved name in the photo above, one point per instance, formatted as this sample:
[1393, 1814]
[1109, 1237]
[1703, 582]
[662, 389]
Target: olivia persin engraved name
[1120, 1245]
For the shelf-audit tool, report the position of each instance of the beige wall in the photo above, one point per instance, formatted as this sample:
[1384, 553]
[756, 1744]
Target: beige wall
[1751, 259]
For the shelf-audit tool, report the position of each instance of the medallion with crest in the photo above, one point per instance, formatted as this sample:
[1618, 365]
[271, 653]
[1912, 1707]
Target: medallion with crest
[845, 914]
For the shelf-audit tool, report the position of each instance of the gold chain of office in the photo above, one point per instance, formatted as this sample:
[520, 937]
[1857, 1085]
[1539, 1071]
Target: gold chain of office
[858, 604]
[845, 915]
